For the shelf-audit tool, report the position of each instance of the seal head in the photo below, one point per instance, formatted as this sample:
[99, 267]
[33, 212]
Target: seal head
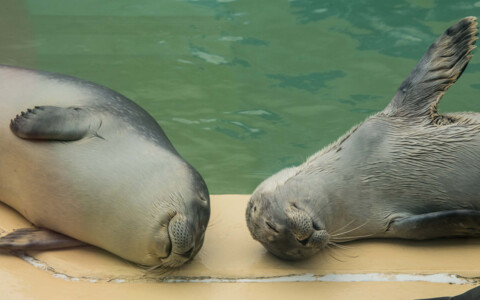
[180, 233]
[282, 221]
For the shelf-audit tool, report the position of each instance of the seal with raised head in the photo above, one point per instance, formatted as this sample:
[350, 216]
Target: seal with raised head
[87, 163]
[406, 172]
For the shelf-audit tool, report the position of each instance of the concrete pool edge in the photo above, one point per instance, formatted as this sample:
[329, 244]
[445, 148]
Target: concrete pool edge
[232, 261]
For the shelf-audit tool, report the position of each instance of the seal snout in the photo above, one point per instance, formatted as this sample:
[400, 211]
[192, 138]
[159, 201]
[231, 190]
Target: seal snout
[181, 235]
[305, 231]
[289, 232]
[295, 235]
[183, 246]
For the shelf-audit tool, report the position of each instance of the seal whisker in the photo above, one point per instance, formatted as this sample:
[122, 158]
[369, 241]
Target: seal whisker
[343, 227]
[344, 248]
[158, 270]
[153, 268]
[330, 253]
[213, 222]
[340, 246]
[348, 231]
[165, 271]
[203, 254]
[350, 238]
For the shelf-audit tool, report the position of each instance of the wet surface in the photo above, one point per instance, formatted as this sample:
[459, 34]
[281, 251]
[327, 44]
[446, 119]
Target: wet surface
[230, 254]
[231, 263]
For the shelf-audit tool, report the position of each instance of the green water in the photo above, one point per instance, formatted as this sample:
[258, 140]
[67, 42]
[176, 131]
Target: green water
[242, 88]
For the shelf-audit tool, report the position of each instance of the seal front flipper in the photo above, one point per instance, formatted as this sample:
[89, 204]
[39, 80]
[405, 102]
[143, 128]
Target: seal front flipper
[37, 239]
[449, 223]
[439, 68]
[56, 123]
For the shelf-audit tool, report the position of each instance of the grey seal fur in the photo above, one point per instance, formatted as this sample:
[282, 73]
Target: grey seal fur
[86, 162]
[406, 172]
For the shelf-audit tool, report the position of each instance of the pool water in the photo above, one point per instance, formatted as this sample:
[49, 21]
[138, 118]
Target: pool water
[243, 88]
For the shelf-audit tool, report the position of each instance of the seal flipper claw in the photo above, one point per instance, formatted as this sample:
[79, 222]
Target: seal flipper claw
[439, 68]
[55, 123]
[37, 239]
[450, 223]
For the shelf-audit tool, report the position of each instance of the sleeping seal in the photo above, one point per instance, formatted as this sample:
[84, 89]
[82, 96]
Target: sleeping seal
[88, 163]
[406, 172]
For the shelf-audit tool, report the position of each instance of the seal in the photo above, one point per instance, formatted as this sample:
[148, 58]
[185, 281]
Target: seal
[406, 172]
[471, 294]
[84, 163]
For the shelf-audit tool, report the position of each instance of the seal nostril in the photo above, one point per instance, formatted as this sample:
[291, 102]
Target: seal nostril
[303, 242]
[172, 214]
[270, 225]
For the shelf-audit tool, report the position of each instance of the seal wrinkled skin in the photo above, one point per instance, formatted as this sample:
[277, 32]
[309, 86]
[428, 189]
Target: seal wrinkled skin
[86, 162]
[405, 172]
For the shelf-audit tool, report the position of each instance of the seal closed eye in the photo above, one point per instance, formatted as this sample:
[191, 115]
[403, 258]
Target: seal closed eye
[406, 172]
[87, 165]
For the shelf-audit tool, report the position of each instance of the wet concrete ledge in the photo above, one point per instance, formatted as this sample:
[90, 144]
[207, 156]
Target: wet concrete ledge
[231, 264]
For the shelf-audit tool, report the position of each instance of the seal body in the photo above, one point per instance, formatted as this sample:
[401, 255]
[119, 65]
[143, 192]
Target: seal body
[85, 161]
[406, 172]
